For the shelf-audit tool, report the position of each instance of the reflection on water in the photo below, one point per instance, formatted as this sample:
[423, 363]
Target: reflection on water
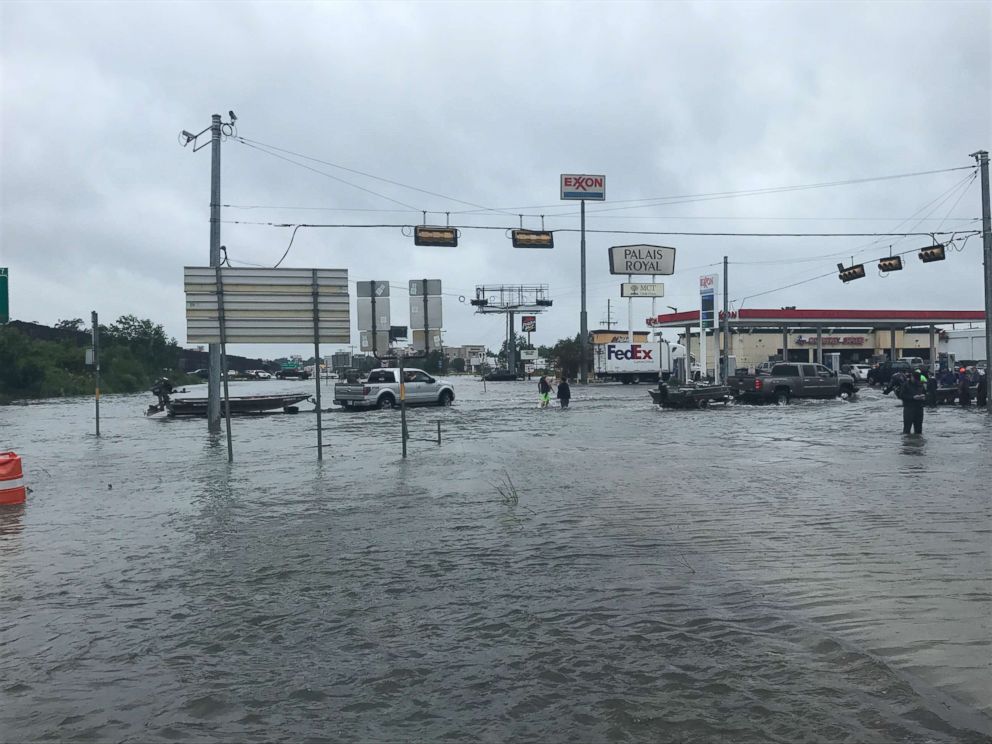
[613, 572]
[11, 521]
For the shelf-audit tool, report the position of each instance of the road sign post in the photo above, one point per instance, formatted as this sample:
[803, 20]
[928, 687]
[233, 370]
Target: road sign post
[707, 309]
[4, 296]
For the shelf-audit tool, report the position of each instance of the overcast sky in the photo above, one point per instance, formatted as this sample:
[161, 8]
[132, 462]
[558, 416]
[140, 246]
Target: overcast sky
[487, 103]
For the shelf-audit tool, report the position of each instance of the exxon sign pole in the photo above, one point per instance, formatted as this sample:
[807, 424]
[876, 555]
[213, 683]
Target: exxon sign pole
[581, 187]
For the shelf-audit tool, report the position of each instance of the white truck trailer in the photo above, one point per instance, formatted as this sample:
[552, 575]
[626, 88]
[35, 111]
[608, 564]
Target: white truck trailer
[634, 363]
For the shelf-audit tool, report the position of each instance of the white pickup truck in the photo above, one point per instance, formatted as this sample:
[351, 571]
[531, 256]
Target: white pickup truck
[382, 390]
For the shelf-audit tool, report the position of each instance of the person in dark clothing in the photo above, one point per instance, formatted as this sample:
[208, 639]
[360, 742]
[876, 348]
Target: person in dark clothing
[564, 392]
[982, 394]
[964, 391]
[895, 383]
[932, 390]
[544, 391]
[913, 395]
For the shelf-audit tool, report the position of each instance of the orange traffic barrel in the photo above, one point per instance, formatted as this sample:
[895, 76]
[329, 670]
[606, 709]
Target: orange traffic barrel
[12, 488]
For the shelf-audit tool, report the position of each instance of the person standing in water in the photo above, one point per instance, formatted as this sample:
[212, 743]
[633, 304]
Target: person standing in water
[544, 391]
[913, 395]
[564, 392]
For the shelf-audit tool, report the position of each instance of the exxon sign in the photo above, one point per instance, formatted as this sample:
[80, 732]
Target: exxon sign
[632, 352]
[580, 186]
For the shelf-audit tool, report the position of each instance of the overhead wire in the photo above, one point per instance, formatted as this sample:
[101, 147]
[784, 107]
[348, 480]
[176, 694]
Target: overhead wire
[682, 233]
[688, 198]
[256, 143]
[332, 177]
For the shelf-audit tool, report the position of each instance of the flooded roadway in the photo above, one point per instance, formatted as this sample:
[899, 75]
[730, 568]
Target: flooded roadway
[614, 572]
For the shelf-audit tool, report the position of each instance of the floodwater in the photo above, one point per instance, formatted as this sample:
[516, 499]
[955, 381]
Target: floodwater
[614, 572]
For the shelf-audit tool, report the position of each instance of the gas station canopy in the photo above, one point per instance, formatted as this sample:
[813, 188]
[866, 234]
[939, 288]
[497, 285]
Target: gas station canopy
[793, 318]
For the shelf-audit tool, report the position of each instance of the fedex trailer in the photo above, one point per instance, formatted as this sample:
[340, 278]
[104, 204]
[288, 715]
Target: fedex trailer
[634, 363]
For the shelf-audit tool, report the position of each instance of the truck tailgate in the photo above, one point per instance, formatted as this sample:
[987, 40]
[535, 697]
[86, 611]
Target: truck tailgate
[349, 392]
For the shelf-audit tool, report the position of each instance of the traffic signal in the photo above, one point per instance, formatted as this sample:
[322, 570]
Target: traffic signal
[533, 239]
[932, 253]
[851, 272]
[427, 235]
[892, 263]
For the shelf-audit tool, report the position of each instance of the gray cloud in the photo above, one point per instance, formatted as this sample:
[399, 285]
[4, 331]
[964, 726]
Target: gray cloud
[487, 103]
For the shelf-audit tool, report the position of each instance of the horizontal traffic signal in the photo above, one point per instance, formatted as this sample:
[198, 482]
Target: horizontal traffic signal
[427, 235]
[533, 239]
[892, 263]
[932, 253]
[851, 272]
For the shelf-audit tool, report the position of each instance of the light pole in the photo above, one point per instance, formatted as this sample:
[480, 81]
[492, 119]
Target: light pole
[216, 129]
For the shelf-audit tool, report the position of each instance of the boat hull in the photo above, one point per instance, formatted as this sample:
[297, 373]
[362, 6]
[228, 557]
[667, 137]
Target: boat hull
[239, 405]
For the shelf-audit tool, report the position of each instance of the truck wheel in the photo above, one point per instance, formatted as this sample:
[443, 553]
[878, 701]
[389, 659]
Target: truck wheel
[445, 398]
[386, 401]
[847, 391]
[625, 380]
[635, 380]
[782, 397]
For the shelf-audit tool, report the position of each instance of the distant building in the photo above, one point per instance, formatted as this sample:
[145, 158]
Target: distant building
[856, 335]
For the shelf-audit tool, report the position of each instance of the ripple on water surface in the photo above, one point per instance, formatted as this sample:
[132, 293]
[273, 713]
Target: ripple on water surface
[613, 572]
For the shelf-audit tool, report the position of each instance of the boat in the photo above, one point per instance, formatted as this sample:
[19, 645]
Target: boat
[690, 396]
[241, 404]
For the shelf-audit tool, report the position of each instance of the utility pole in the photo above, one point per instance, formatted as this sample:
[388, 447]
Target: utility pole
[213, 381]
[216, 129]
[96, 367]
[583, 321]
[726, 324]
[982, 156]
[609, 322]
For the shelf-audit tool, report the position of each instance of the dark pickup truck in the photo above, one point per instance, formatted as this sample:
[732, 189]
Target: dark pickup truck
[787, 381]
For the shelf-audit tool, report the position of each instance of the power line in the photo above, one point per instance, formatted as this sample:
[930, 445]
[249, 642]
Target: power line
[659, 233]
[256, 144]
[740, 218]
[328, 175]
[688, 198]
[641, 203]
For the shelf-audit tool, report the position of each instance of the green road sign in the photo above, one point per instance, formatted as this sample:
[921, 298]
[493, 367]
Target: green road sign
[4, 297]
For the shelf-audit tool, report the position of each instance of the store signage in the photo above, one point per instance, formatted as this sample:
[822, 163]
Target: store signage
[528, 323]
[633, 289]
[833, 341]
[583, 187]
[642, 259]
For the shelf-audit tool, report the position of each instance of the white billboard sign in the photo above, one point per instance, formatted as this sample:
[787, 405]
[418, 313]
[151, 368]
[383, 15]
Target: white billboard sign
[528, 354]
[418, 340]
[580, 186]
[642, 259]
[417, 287]
[633, 289]
[417, 312]
[266, 306]
[381, 341]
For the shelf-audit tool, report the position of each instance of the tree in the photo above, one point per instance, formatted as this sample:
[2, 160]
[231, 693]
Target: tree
[458, 364]
[75, 324]
[566, 355]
